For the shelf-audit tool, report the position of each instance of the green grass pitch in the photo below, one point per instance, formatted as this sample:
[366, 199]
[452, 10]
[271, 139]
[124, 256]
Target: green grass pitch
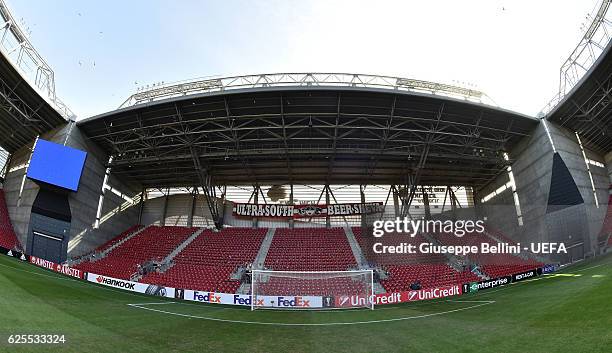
[570, 311]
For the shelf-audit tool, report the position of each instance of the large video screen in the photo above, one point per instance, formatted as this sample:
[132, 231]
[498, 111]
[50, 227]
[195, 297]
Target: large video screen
[56, 164]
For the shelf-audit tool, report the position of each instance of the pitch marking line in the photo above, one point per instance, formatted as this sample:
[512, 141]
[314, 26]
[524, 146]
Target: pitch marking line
[479, 303]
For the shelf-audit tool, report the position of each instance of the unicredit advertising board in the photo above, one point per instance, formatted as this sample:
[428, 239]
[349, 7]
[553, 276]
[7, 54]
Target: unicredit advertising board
[149, 289]
[432, 293]
[355, 301]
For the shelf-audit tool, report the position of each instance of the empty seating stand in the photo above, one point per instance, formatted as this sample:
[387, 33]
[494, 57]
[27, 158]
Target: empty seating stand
[8, 239]
[493, 265]
[207, 263]
[393, 239]
[117, 239]
[310, 249]
[431, 270]
[154, 242]
[319, 287]
[429, 275]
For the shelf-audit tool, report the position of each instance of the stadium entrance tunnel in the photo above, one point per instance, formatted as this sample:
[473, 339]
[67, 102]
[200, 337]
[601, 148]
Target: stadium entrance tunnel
[385, 314]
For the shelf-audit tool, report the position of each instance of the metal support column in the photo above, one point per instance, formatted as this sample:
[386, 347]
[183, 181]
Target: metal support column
[396, 201]
[426, 202]
[291, 223]
[327, 219]
[364, 223]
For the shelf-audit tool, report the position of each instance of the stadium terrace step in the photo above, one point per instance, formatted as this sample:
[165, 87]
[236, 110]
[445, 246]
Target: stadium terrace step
[182, 246]
[108, 250]
[453, 261]
[492, 265]
[357, 253]
[152, 243]
[378, 288]
[260, 260]
[208, 262]
[431, 270]
[501, 238]
[245, 288]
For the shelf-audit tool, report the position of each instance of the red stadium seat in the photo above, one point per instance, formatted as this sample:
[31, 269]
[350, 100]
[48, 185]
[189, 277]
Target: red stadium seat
[151, 243]
[431, 270]
[207, 263]
[8, 239]
[494, 265]
[606, 228]
[310, 249]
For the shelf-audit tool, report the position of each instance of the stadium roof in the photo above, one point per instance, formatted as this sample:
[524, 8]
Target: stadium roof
[24, 114]
[302, 133]
[587, 108]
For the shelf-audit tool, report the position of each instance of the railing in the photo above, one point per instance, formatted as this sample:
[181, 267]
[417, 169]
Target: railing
[207, 85]
[595, 40]
[16, 47]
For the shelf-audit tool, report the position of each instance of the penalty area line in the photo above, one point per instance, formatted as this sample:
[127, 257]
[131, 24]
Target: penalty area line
[479, 304]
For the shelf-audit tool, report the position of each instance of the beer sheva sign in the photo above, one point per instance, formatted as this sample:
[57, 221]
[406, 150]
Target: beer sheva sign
[305, 211]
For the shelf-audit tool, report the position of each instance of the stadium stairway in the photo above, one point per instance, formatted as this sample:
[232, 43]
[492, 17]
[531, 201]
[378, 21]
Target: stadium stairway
[121, 260]
[359, 257]
[492, 265]
[501, 238]
[432, 270]
[260, 259]
[208, 262]
[168, 259]
[452, 260]
[102, 254]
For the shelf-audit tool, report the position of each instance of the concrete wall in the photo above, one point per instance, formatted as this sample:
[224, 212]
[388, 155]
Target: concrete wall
[567, 145]
[83, 203]
[177, 210]
[608, 163]
[532, 168]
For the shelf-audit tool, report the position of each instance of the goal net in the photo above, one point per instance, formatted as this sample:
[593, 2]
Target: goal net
[299, 290]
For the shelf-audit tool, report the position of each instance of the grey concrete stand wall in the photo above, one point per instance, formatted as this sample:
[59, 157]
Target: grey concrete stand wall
[83, 203]
[532, 165]
[177, 210]
[532, 169]
[567, 145]
[608, 163]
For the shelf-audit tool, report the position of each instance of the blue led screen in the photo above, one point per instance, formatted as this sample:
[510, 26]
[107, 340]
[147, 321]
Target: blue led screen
[56, 164]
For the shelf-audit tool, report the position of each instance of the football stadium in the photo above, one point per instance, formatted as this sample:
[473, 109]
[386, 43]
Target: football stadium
[306, 212]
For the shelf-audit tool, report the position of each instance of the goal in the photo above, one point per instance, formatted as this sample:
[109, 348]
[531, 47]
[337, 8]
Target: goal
[303, 290]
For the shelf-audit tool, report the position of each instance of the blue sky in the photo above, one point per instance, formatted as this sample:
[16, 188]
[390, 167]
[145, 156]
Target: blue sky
[512, 50]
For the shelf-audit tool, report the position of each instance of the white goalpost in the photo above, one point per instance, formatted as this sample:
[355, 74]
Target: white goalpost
[312, 290]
